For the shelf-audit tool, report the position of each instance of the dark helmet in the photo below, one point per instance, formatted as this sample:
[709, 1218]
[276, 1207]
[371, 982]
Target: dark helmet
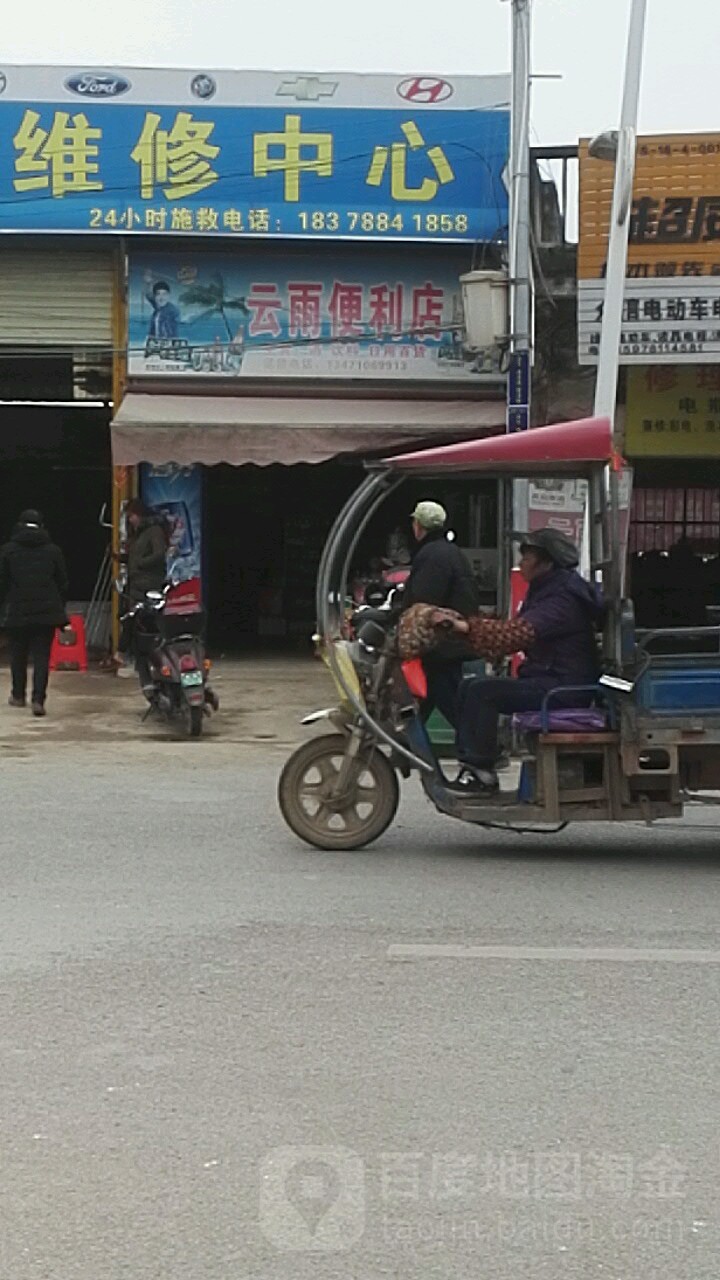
[553, 544]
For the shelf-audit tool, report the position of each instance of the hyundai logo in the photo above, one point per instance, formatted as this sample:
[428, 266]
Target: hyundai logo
[424, 89]
[88, 84]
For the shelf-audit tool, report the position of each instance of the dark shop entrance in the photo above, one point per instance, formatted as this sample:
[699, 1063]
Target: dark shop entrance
[57, 458]
[265, 528]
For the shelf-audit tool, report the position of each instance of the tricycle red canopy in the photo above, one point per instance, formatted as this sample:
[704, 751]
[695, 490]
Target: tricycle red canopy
[555, 449]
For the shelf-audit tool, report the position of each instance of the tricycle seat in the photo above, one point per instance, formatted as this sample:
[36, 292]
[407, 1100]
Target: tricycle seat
[562, 720]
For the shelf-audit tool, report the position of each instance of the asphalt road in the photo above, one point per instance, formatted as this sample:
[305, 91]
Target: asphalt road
[224, 1055]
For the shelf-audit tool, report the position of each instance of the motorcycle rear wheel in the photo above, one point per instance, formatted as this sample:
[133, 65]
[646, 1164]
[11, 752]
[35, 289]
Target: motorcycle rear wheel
[350, 821]
[194, 719]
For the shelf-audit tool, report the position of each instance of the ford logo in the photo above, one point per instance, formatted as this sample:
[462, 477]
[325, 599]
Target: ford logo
[90, 85]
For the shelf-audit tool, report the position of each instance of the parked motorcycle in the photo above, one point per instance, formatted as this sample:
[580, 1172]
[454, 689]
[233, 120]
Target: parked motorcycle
[171, 662]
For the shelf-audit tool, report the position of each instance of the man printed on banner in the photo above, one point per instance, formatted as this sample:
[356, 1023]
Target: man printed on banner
[165, 316]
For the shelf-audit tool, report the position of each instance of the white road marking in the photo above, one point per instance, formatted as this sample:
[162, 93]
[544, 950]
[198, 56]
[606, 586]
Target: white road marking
[618, 955]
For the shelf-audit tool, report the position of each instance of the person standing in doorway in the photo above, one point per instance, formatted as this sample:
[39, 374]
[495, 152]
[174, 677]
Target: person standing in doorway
[33, 592]
[146, 560]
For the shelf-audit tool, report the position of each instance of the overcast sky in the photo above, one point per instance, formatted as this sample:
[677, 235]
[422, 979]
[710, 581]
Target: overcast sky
[680, 87]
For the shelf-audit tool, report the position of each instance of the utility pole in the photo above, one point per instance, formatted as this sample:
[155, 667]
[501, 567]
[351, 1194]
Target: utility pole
[519, 376]
[513, 495]
[620, 147]
[624, 147]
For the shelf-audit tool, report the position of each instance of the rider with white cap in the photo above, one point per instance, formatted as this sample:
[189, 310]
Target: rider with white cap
[441, 575]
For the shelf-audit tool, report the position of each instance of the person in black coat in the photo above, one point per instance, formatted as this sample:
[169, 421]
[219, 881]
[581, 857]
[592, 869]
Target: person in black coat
[146, 560]
[147, 551]
[33, 591]
[441, 575]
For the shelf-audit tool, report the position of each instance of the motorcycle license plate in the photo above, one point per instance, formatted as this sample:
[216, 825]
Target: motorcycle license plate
[191, 677]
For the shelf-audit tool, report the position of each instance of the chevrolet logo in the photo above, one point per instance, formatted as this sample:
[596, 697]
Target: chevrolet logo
[307, 88]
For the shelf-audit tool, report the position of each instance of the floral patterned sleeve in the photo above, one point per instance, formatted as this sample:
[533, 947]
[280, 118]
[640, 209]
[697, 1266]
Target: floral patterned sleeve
[489, 637]
[495, 637]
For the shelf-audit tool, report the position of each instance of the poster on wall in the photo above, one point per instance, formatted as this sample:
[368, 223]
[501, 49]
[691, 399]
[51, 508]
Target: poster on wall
[167, 152]
[557, 504]
[239, 315]
[175, 493]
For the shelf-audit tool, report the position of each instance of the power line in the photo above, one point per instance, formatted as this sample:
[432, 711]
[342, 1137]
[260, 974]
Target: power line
[103, 349]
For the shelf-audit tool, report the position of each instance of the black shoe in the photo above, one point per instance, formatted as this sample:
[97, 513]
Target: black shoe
[38, 709]
[475, 782]
[16, 702]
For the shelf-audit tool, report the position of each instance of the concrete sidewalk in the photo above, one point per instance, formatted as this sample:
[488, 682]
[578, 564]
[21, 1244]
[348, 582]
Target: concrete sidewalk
[261, 703]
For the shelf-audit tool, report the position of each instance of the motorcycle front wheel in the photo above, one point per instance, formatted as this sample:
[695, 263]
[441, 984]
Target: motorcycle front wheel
[345, 822]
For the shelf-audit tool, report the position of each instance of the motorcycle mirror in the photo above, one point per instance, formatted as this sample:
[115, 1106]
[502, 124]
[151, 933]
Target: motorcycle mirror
[375, 594]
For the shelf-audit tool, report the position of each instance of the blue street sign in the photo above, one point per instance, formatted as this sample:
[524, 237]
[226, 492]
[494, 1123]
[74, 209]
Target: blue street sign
[518, 392]
[518, 418]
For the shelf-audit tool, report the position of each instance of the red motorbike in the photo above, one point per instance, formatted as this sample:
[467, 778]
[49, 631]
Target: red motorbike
[171, 662]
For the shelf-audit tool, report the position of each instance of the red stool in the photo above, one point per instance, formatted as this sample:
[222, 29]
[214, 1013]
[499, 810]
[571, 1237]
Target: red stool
[69, 650]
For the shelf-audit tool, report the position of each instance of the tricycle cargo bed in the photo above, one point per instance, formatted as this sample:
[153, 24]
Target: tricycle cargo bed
[669, 689]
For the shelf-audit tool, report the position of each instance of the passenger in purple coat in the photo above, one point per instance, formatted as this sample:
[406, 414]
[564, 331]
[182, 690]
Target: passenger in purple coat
[556, 631]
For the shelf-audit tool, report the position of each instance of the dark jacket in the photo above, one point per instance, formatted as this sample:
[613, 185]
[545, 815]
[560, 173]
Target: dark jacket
[564, 611]
[146, 559]
[33, 580]
[442, 575]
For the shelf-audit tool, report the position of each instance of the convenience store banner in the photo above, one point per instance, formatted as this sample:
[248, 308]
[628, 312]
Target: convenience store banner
[350, 314]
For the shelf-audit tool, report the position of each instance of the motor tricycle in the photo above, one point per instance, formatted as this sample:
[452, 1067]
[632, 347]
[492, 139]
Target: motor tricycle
[641, 744]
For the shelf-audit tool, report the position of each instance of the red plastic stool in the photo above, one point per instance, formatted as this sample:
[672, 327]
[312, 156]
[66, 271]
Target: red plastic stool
[69, 650]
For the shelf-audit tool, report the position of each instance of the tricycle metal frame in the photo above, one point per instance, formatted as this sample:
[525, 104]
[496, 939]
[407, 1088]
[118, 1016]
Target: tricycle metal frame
[638, 768]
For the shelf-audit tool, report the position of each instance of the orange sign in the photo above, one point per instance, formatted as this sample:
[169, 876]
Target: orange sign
[675, 222]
